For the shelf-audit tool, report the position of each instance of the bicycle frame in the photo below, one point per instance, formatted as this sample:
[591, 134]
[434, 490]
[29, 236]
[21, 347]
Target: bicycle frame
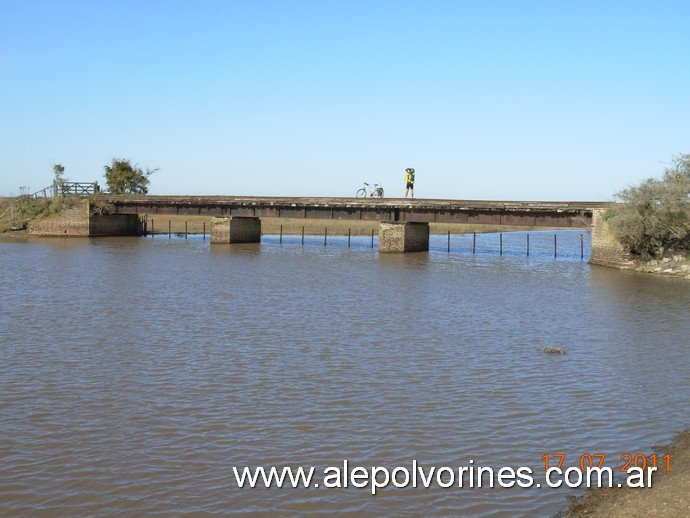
[370, 191]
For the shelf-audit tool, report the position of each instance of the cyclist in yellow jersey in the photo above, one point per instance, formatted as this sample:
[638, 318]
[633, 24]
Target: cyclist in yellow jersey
[409, 182]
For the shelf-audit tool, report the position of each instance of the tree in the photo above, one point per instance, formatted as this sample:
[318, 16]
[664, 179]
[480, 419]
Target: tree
[59, 183]
[655, 216]
[59, 170]
[124, 178]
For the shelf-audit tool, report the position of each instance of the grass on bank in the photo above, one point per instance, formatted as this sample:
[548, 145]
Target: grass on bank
[17, 212]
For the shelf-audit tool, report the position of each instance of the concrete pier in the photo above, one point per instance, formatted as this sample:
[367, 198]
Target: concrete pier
[606, 249]
[235, 229]
[404, 237]
[81, 221]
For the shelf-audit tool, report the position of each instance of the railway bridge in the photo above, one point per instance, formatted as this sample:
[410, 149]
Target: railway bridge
[403, 222]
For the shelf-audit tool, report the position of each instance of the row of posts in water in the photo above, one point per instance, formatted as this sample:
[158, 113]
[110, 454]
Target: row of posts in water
[349, 238]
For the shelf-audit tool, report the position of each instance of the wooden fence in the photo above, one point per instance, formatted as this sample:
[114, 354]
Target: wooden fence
[77, 188]
[64, 189]
[576, 245]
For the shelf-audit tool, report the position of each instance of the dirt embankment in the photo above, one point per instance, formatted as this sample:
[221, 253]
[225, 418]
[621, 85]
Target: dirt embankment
[669, 495]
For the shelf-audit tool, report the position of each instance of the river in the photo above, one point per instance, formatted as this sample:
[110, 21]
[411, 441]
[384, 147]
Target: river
[136, 373]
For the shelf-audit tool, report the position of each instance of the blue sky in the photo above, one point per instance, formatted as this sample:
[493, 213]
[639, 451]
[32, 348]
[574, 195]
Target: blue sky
[496, 100]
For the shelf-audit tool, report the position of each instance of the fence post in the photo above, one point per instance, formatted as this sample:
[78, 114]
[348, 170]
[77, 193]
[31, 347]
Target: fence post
[281, 234]
[204, 234]
[554, 246]
[500, 244]
[185, 230]
[474, 241]
[449, 241]
[302, 236]
[582, 247]
[325, 236]
[349, 234]
[527, 245]
[169, 230]
[372, 238]
[152, 231]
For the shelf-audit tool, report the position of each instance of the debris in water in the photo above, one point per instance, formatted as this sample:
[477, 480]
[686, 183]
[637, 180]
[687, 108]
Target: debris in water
[553, 350]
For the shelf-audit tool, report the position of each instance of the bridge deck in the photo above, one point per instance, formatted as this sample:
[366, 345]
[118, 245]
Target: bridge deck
[528, 213]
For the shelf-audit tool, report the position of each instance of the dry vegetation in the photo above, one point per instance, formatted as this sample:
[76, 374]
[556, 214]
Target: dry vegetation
[653, 220]
[15, 213]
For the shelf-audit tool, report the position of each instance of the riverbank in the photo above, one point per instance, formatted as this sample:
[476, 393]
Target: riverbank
[669, 495]
[674, 266]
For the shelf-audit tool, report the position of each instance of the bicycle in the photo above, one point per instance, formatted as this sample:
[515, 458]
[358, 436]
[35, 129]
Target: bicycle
[370, 191]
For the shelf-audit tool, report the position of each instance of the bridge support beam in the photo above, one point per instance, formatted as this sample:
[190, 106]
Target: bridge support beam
[403, 237]
[235, 229]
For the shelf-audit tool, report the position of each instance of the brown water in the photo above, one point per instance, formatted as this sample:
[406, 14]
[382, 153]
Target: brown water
[135, 373]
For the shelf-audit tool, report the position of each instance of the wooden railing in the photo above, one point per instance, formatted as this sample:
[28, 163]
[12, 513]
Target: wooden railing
[64, 189]
[46, 192]
[77, 188]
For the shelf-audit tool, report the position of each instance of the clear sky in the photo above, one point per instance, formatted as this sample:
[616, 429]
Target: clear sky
[486, 99]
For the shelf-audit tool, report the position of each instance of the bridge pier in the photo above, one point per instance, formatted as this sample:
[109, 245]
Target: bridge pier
[403, 237]
[606, 249]
[82, 221]
[235, 229]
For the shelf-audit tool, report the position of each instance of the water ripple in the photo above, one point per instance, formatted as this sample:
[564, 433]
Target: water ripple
[136, 386]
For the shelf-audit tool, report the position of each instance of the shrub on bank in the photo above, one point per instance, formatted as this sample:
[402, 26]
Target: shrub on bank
[653, 218]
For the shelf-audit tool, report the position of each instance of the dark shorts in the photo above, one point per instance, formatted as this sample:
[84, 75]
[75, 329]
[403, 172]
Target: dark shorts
[410, 185]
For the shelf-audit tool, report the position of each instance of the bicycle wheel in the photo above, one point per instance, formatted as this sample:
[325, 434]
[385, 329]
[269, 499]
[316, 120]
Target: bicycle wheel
[362, 193]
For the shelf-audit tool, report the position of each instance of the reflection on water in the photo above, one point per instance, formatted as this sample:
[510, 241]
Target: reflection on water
[136, 372]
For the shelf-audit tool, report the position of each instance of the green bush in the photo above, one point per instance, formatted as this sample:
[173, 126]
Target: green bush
[654, 217]
[124, 178]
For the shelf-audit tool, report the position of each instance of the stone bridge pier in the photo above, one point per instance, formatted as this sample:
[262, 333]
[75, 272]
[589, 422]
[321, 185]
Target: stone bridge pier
[399, 237]
[236, 229]
[606, 249]
[403, 237]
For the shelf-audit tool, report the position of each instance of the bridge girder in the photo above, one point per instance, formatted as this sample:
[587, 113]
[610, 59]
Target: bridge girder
[515, 213]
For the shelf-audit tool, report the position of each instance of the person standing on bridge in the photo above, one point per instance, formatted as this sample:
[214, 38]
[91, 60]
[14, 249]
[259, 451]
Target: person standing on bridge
[409, 182]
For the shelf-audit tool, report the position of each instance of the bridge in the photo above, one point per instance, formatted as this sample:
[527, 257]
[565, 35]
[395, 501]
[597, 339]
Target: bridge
[403, 222]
